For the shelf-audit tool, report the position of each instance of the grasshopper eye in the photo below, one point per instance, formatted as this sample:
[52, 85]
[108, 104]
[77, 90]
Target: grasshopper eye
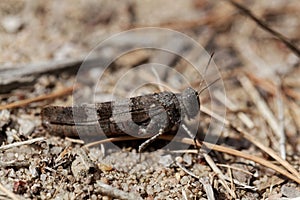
[190, 102]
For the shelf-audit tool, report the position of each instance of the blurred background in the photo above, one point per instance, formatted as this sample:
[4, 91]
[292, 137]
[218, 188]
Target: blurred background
[33, 31]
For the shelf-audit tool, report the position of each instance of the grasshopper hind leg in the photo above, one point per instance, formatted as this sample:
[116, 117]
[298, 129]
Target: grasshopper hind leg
[145, 144]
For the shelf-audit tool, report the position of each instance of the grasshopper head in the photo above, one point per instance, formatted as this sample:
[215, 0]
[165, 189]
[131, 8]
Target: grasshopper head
[191, 103]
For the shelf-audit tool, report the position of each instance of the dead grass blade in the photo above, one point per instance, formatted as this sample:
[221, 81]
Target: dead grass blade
[239, 154]
[265, 111]
[263, 83]
[220, 174]
[268, 150]
[292, 93]
[261, 105]
[25, 102]
[215, 147]
[253, 140]
[16, 144]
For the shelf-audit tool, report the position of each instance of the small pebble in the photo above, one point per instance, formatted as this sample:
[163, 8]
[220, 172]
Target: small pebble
[290, 192]
[105, 167]
[43, 177]
[177, 176]
[77, 188]
[48, 195]
[12, 173]
[4, 117]
[94, 197]
[35, 188]
[184, 180]
[179, 159]
[10, 156]
[149, 190]
[10, 135]
[21, 157]
[187, 158]
[166, 160]
[104, 180]
[91, 188]
[11, 24]
[26, 126]
[125, 187]
[157, 188]
[55, 150]
[182, 173]
[32, 169]
[106, 198]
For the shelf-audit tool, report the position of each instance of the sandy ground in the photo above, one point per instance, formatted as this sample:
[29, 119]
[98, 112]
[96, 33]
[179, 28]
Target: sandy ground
[259, 74]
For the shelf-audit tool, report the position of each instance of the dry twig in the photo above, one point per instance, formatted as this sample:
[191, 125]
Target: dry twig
[25, 102]
[234, 108]
[77, 141]
[16, 144]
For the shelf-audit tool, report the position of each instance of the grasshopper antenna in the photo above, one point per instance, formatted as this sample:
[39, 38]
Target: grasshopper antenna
[199, 92]
[206, 67]
[209, 61]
